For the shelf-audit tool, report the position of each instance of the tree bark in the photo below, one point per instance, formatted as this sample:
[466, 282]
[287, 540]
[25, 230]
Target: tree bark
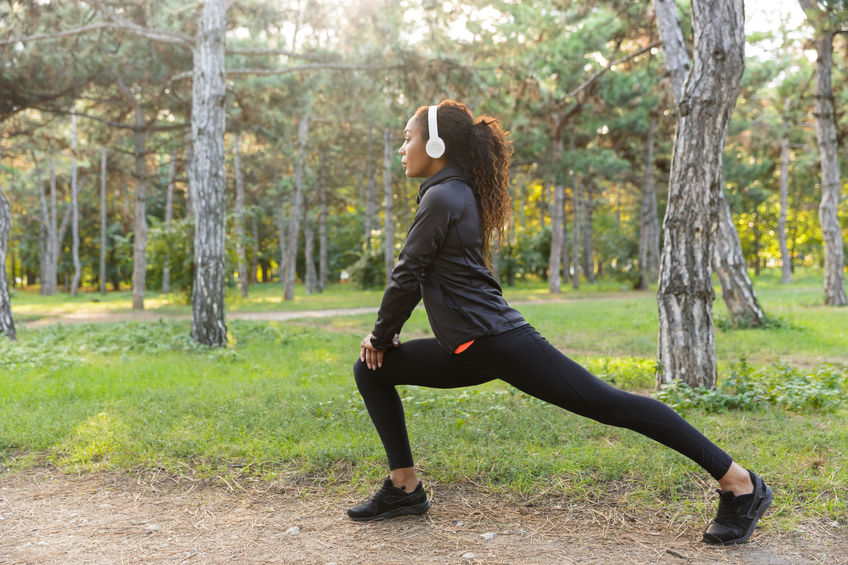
[371, 209]
[737, 290]
[254, 256]
[139, 277]
[557, 212]
[566, 258]
[169, 216]
[103, 220]
[238, 220]
[785, 258]
[207, 176]
[674, 46]
[49, 281]
[388, 205]
[557, 240]
[74, 207]
[309, 252]
[297, 205]
[834, 260]
[322, 227]
[48, 239]
[281, 231]
[649, 226]
[7, 323]
[576, 197]
[588, 236]
[686, 339]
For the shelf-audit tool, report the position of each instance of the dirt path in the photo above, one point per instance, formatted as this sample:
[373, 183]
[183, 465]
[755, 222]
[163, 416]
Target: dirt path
[88, 317]
[47, 517]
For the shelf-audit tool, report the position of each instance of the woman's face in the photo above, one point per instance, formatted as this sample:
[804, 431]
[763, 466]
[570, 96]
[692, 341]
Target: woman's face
[414, 158]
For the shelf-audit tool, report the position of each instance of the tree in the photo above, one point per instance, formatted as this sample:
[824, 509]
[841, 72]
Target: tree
[826, 22]
[207, 177]
[685, 295]
[238, 220]
[74, 207]
[737, 290]
[649, 227]
[7, 324]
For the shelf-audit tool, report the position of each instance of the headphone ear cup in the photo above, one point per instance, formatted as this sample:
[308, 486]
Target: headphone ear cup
[435, 147]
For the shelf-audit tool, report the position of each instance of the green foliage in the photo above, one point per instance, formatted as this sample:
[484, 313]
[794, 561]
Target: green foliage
[369, 268]
[172, 244]
[750, 388]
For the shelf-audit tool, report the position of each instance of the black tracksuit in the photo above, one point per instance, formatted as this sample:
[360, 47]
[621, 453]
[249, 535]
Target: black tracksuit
[442, 262]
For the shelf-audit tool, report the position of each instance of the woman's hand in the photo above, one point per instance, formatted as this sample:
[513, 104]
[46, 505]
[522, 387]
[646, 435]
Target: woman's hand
[370, 355]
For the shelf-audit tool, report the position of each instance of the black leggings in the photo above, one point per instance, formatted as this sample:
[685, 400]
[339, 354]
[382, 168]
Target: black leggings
[524, 359]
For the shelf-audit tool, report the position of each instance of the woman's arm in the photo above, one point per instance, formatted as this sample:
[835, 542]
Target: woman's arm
[425, 237]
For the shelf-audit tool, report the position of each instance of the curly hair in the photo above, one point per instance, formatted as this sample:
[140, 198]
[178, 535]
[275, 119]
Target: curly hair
[480, 149]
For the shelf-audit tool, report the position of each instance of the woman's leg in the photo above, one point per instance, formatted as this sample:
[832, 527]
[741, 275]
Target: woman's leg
[420, 362]
[527, 361]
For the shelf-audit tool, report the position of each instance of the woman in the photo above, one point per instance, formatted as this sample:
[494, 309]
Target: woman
[478, 337]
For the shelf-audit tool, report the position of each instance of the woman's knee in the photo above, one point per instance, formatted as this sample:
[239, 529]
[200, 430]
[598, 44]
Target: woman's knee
[360, 372]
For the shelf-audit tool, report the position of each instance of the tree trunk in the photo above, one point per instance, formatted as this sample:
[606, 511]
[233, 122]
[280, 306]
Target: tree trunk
[297, 205]
[649, 226]
[322, 228]
[48, 231]
[577, 197]
[566, 258]
[74, 207]
[139, 277]
[557, 240]
[238, 220]
[308, 253]
[737, 291]
[388, 205]
[49, 281]
[834, 260]
[785, 259]
[686, 339]
[673, 44]
[189, 159]
[371, 209]
[729, 264]
[207, 176]
[7, 323]
[103, 220]
[254, 256]
[588, 236]
[281, 231]
[169, 216]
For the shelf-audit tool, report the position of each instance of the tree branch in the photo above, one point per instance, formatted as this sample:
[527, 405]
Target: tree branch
[110, 123]
[588, 82]
[294, 69]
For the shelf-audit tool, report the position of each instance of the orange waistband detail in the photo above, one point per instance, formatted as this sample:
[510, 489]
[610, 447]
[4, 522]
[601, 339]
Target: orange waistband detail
[463, 347]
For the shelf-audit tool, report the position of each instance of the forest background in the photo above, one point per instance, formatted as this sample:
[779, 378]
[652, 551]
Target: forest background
[334, 95]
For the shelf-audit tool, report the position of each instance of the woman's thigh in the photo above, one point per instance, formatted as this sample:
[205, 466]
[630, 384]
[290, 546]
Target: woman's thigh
[422, 362]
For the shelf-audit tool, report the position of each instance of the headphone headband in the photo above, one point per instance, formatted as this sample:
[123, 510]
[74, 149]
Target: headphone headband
[435, 147]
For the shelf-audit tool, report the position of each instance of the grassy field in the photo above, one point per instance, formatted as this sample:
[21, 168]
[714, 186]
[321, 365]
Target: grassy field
[280, 401]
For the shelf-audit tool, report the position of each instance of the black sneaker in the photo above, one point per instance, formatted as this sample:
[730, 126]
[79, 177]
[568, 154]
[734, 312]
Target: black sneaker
[738, 515]
[389, 502]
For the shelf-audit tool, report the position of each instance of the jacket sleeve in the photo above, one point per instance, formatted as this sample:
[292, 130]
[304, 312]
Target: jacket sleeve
[425, 237]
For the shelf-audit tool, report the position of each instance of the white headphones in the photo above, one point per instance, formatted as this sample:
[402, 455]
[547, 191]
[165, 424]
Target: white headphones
[435, 147]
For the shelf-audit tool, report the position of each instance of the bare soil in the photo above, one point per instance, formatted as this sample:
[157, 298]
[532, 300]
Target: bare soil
[115, 517]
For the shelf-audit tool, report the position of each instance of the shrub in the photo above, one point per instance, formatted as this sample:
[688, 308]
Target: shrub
[747, 388]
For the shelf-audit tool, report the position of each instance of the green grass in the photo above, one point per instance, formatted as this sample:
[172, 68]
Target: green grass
[281, 401]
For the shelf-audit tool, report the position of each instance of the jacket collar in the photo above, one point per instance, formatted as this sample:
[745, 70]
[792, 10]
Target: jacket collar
[449, 172]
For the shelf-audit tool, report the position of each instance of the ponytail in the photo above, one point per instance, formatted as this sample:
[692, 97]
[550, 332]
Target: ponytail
[480, 149]
[489, 152]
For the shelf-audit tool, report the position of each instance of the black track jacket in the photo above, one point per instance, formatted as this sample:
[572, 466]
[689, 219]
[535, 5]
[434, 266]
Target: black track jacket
[442, 262]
